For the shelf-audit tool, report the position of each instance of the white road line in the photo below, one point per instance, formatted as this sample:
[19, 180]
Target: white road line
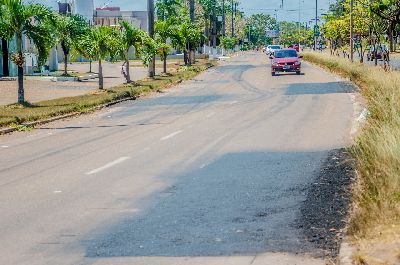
[170, 135]
[210, 115]
[4, 146]
[106, 166]
[57, 191]
[233, 102]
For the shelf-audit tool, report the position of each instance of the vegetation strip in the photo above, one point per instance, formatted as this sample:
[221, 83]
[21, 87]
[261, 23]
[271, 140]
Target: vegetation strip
[376, 150]
[20, 117]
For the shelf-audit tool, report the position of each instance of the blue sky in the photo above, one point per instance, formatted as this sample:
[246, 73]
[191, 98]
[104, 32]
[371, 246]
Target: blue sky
[289, 12]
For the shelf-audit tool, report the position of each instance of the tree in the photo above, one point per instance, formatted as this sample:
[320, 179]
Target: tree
[100, 43]
[167, 9]
[388, 11]
[260, 23]
[185, 35]
[228, 43]
[69, 29]
[29, 20]
[5, 34]
[130, 37]
[163, 32]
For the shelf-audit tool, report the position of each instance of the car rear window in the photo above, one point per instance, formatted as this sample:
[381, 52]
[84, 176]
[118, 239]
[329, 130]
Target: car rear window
[275, 47]
[285, 53]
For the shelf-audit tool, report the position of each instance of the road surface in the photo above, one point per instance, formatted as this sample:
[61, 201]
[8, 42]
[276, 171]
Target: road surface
[214, 171]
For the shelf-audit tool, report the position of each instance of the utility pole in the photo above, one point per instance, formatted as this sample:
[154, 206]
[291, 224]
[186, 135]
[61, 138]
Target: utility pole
[223, 19]
[192, 52]
[150, 14]
[233, 21]
[351, 31]
[214, 30]
[316, 25]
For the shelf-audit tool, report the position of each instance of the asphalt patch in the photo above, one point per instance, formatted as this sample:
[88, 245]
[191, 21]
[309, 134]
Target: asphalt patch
[324, 213]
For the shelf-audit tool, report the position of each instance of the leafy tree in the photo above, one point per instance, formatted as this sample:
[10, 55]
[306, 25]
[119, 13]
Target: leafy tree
[388, 11]
[167, 9]
[69, 29]
[32, 21]
[163, 30]
[100, 43]
[131, 37]
[260, 23]
[228, 43]
[5, 35]
[185, 35]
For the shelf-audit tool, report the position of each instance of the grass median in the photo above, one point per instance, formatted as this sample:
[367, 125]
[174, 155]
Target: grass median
[376, 213]
[17, 114]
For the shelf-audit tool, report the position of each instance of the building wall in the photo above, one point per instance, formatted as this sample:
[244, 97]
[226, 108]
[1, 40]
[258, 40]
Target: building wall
[112, 17]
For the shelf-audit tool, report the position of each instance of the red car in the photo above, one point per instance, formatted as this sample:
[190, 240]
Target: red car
[285, 60]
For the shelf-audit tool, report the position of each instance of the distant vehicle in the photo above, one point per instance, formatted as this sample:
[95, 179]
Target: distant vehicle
[272, 48]
[382, 52]
[285, 60]
[294, 46]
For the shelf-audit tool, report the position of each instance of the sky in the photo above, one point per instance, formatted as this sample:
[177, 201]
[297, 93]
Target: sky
[289, 12]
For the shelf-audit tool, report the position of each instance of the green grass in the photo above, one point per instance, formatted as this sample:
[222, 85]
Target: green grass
[377, 149]
[15, 115]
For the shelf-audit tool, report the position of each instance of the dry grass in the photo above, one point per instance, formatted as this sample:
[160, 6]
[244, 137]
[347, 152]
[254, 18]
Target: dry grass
[15, 115]
[377, 150]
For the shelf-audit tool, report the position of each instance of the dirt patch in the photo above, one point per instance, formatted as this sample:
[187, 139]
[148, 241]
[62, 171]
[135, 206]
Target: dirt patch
[324, 213]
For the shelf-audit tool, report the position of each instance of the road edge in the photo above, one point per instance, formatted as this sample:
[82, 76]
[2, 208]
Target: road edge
[9, 130]
[360, 111]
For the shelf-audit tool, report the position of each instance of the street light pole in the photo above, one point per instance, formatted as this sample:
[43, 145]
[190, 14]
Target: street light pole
[214, 30]
[232, 21]
[316, 25]
[192, 52]
[223, 19]
[150, 14]
[351, 31]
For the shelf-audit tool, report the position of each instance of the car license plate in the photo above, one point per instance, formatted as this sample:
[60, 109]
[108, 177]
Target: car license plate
[286, 67]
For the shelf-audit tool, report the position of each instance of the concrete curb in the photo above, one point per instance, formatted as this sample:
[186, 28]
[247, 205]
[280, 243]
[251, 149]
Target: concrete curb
[346, 253]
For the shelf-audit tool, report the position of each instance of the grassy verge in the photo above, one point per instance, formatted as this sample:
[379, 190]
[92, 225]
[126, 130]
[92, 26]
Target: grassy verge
[15, 115]
[377, 149]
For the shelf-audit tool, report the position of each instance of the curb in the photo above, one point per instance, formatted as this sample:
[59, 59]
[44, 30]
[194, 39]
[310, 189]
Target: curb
[346, 253]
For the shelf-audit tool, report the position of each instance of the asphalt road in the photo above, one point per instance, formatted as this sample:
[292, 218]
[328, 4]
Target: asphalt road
[214, 171]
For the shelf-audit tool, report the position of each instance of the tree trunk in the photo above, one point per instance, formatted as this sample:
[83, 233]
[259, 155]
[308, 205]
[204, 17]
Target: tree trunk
[90, 66]
[185, 57]
[21, 92]
[165, 62]
[4, 49]
[101, 79]
[65, 51]
[128, 74]
[65, 64]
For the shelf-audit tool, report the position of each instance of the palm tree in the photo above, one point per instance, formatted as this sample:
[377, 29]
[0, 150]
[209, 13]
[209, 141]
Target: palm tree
[163, 32]
[4, 35]
[69, 29]
[131, 37]
[100, 43]
[29, 20]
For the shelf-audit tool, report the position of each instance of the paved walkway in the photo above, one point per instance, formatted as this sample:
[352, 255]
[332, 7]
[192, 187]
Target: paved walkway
[45, 90]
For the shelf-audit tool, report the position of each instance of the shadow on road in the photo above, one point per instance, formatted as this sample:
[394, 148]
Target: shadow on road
[241, 204]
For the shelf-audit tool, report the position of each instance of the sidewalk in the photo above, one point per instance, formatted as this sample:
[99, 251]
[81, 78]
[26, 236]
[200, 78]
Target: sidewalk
[45, 90]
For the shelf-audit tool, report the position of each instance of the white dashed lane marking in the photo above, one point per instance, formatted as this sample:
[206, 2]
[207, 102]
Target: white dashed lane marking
[170, 135]
[106, 166]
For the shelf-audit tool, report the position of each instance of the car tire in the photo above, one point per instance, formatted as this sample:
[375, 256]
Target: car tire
[273, 74]
[298, 73]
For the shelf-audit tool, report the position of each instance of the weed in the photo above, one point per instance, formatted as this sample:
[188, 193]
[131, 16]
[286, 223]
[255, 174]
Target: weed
[377, 149]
